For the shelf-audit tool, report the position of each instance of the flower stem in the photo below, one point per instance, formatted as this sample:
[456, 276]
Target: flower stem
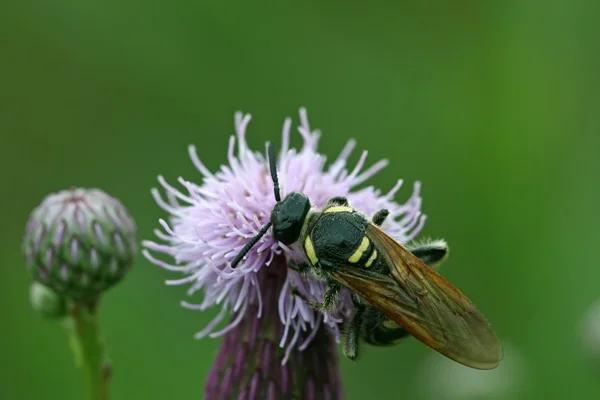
[249, 362]
[88, 347]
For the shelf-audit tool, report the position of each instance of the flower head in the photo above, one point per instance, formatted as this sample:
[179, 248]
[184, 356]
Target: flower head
[79, 242]
[210, 223]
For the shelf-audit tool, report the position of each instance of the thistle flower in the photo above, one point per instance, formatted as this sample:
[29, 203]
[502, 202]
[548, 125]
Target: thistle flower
[211, 222]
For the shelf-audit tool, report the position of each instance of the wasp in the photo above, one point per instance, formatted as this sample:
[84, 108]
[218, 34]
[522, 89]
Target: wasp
[391, 287]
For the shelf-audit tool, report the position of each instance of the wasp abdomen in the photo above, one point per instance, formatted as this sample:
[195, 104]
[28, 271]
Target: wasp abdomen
[378, 330]
[382, 336]
[365, 255]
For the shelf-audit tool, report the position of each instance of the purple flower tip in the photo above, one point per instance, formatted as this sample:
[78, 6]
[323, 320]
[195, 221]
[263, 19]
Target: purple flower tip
[211, 222]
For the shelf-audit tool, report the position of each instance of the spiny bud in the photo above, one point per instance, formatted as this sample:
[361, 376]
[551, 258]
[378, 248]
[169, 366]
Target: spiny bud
[46, 302]
[79, 242]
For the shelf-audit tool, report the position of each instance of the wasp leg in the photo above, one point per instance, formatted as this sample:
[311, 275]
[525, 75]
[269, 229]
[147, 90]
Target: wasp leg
[295, 292]
[328, 298]
[337, 201]
[301, 268]
[432, 253]
[333, 289]
[351, 342]
[380, 216]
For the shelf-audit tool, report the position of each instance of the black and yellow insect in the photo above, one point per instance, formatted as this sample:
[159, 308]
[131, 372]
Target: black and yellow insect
[346, 249]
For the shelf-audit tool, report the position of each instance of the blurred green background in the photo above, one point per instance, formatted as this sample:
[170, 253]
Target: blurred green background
[492, 105]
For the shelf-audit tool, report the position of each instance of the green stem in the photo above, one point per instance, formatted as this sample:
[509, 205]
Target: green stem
[89, 350]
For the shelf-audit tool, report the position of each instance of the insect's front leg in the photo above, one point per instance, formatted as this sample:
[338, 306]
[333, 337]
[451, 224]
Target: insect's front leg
[313, 304]
[329, 297]
[301, 268]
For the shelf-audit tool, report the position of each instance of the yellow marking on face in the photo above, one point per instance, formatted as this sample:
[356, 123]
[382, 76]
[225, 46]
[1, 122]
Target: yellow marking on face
[371, 259]
[310, 251]
[335, 209]
[364, 245]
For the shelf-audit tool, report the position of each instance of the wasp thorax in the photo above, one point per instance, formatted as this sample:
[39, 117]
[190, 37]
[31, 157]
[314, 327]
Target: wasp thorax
[288, 217]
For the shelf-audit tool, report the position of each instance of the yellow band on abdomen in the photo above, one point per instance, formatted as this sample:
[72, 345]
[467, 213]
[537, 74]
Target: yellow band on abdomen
[364, 245]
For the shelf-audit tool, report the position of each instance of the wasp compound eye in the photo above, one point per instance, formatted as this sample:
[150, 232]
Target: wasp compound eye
[288, 217]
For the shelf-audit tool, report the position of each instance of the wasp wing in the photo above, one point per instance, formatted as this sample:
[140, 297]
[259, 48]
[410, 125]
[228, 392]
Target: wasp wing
[425, 304]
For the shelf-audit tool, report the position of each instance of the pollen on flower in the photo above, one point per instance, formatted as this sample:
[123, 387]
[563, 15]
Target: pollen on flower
[211, 221]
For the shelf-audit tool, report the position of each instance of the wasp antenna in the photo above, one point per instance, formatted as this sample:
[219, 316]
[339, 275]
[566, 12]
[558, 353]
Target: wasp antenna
[273, 167]
[249, 245]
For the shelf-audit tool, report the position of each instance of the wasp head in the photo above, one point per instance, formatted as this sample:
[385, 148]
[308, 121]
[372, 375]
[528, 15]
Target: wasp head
[288, 217]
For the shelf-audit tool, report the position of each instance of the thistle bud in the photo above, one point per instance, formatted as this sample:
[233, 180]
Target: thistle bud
[79, 243]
